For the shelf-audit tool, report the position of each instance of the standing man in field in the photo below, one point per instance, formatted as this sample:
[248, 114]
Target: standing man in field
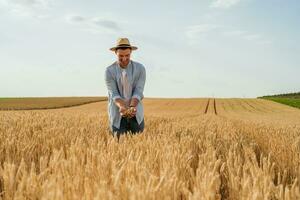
[125, 81]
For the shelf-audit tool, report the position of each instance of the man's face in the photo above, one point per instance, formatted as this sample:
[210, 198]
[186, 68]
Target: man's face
[123, 56]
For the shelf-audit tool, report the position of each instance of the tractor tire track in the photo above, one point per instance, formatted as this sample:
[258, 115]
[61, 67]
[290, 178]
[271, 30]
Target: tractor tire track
[206, 109]
[214, 107]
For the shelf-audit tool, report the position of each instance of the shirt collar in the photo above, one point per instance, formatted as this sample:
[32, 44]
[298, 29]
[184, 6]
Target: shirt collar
[126, 68]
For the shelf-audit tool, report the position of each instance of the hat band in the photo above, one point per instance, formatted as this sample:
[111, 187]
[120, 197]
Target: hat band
[124, 45]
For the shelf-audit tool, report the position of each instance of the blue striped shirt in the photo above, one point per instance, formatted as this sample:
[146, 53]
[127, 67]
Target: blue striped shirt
[136, 74]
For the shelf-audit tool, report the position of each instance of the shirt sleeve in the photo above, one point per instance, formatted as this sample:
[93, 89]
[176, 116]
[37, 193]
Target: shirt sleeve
[111, 86]
[139, 88]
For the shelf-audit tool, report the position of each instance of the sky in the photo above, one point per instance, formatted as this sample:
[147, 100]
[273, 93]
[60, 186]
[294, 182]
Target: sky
[204, 48]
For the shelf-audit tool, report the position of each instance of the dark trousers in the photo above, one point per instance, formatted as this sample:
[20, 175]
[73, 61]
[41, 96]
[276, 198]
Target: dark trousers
[128, 125]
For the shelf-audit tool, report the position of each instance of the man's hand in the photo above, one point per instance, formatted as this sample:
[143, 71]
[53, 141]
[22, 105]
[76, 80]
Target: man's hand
[134, 102]
[122, 107]
[120, 103]
[129, 112]
[123, 110]
[132, 112]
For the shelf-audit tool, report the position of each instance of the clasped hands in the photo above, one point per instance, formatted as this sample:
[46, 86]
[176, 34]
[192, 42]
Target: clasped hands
[127, 112]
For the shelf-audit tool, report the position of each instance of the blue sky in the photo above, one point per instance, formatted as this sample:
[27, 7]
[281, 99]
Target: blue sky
[208, 48]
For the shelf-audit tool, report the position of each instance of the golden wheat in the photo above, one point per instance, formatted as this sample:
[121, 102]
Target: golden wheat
[30, 103]
[244, 152]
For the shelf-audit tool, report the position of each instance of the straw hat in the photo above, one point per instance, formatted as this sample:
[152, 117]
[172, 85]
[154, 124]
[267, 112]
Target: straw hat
[123, 42]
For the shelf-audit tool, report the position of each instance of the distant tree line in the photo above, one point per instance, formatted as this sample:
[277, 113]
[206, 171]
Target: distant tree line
[285, 95]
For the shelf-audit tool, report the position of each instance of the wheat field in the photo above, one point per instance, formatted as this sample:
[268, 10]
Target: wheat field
[240, 149]
[37, 103]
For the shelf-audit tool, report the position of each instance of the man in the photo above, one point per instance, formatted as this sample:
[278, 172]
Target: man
[125, 81]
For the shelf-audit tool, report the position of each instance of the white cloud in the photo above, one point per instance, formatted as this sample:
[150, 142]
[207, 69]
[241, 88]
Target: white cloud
[75, 18]
[29, 3]
[26, 8]
[252, 37]
[266, 42]
[195, 31]
[255, 37]
[106, 23]
[95, 24]
[234, 33]
[224, 3]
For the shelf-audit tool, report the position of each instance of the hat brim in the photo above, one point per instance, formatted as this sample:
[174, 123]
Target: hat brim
[132, 48]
